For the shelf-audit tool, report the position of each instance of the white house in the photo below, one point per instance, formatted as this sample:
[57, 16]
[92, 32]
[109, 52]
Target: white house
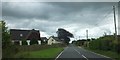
[54, 40]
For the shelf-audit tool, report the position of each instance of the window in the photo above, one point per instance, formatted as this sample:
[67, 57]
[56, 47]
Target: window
[21, 35]
[44, 40]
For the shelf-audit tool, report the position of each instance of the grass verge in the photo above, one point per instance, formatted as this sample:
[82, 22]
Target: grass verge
[113, 55]
[45, 53]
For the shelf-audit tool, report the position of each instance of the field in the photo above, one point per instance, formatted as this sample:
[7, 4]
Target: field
[45, 53]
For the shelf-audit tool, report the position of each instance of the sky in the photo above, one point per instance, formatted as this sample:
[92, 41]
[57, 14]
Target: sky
[75, 17]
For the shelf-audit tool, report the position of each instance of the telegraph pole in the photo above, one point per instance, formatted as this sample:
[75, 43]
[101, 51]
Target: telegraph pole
[87, 38]
[115, 23]
[87, 34]
[79, 37]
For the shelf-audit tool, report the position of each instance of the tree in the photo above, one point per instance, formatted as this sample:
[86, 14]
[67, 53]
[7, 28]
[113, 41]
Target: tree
[64, 35]
[8, 50]
[5, 35]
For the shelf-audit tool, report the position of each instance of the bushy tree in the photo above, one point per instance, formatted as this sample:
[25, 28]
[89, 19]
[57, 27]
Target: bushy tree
[64, 34]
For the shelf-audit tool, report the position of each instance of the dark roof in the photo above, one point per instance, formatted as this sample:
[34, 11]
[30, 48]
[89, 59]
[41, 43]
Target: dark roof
[43, 38]
[17, 34]
[56, 38]
[82, 40]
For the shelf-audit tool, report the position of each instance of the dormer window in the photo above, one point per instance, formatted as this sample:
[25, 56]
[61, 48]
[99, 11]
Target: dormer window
[44, 40]
[21, 35]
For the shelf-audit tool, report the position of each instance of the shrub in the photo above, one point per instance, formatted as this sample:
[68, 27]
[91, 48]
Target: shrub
[9, 52]
[24, 42]
[33, 42]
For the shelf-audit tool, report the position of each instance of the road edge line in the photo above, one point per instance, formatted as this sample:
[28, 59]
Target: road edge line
[97, 53]
[85, 57]
[100, 54]
[60, 54]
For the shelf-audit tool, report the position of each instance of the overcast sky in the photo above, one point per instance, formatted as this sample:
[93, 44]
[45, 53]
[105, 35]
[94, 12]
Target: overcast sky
[75, 17]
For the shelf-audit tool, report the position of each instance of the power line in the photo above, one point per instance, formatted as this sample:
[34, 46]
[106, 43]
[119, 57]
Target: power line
[105, 16]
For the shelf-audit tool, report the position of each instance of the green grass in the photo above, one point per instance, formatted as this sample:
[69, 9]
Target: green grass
[46, 53]
[110, 54]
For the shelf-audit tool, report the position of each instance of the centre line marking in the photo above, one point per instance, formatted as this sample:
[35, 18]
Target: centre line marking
[85, 57]
[82, 55]
[77, 51]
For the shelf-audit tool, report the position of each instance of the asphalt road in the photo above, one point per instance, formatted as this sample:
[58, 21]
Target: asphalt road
[73, 52]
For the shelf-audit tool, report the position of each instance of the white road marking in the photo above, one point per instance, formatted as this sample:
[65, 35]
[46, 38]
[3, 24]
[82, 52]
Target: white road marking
[59, 55]
[95, 53]
[80, 54]
[85, 57]
[77, 51]
[99, 54]
[82, 48]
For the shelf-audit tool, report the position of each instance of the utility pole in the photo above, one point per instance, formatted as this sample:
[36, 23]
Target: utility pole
[115, 23]
[79, 37]
[115, 28]
[87, 38]
[105, 34]
[87, 34]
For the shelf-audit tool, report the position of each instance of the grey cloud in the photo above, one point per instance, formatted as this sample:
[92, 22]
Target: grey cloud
[60, 0]
[49, 16]
[23, 10]
[57, 8]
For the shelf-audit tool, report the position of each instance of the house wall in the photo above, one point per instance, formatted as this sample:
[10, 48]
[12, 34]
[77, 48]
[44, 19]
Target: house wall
[28, 42]
[15, 42]
[39, 42]
[56, 41]
[19, 42]
[52, 41]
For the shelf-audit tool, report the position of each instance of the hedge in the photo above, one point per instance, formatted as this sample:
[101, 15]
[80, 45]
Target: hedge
[105, 43]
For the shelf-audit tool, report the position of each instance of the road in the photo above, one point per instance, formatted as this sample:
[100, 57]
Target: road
[73, 52]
